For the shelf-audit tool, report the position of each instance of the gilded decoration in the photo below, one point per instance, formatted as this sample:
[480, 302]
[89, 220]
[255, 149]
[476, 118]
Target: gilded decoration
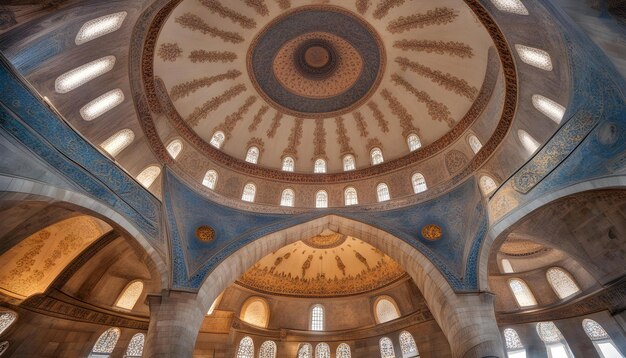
[398, 110]
[361, 124]
[283, 4]
[362, 6]
[202, 56]
[445, 80]
[187, 88]
[294, 138]
[455, 161]
[438, 16]
[520, 247]
[451, 48]
[383, 124]
[195, 23]
[344, 140]
[170, 52]
[431, 232]
[276, 120]
[224, 12]
[325, 241]
[259, 6]
[205, 233]
[231, 120]
[319, 137]
[258, 118]
[437, 111]
[385, 6]
[212, 104]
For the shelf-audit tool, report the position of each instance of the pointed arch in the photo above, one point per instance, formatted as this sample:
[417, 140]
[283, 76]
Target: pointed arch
[556, 345]
[288, 198]
[408, 346]
[386, 309]
[320, 166]
[268, 349]
[305, 351]
[349, 163]
[487, 184]
[289, 164]
[513, 344]
[562, 282]
[322, 350]
[414, 142]
[106, 343]
[343, 351]
[255, 311]
[135, 346]
[522, 293]
[252, 156]
[217, 140]
[419, 183]
[386, 348]
[129, 296]
[528, 142]
[376, 156]
[246, 348]
[601, 340]
[148, 176]
[174, 148]
[210, 179]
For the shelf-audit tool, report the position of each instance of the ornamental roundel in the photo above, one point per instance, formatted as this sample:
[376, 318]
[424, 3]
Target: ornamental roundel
[205, 233]
[431, 232]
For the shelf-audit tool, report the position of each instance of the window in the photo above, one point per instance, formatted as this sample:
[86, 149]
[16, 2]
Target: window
[562, 282]
[249, 192]
[514, 346]
[79, 76]
[210, 179]
[135, 347]
[530, 144]
[320, 166]
[100, 26]
[377, 156]
[487, 184]
[215, 303]
[246, 348]
[506, 266]
[534, 57]
[130, 295]
[218, 139]
[317, 318]
[174, 148]
[255, 311]
[287, 198]
[474, 143]
[556, 345]
[512, 6]
[386, 348]
[419, 183]
[116, 143]
[253, 155]
[7, 318]
[322, 350]
[105, 344]
[305, 351]
[268, 350]
[382, 191]
[350, 196]
[343, 351]
[349, 163]
[102, 104]
[386, 310]
[4, 346]
[289, 164]
[408, 346]
[601, 340]
[321, 199]
[148, 175]
[522, 293]
[551, 109]
[414, 142]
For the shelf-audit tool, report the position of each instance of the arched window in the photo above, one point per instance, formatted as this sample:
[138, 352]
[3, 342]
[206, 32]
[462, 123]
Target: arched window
[288, 198]
[246, 348]
[349, 163]
[135, 347]
[102, 104]
[419, 183]
[100, 26]
[530, 144]
[130, 295]
[506, 266]
[255, 311]
[218, 139]
[79, 76]
[321, 199]
[249, 192]
[514, 346]
[408, 346]
[322, 350]
[253, 155]
[4, 346]
[386, 309]
[474, 143]
[174, 148]
[512, 6]
[522, 293]
[534, 57]
[305, 351]
[377, 156]
[215, 303]
[382, 191]
[210, 179]
[549, 108]
[320, 166]
[268, 350]
[562, 282]
[555, 344]
[386, 348]
[601, 340]
[414, 142]
[116, 143]
[487, 184]
[343, 351]
[350, 196]
[105, 344]
[7, 318]
[289, 164]
[317, 318]
[148, 175]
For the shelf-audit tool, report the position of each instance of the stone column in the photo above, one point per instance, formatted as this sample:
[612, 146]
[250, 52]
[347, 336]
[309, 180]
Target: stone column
[175, 320]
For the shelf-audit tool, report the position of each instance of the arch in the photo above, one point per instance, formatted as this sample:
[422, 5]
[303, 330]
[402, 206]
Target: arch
[513, 344]
[288, 197]
[116, 143]
[549, 108]
[320, 166]
[252, 155]
[382, 192]
[99, 26]
[528, 142]
[7, 319]
[215, 303]
[321, 199]
[129, 296]
[174, 148]
[318, 319]
[601, 340]
[386, 309]
[135, 346]
[148, 175]
[322, 350]
[419, 183]
[106, 343]
[268, 350]
[523, 294]
[376, 156]
[562, 282]
[408, 346]
[474, 143]
[210, 179]
[350, 196]
[556, 345]
[289, 164]
[217, 139]
[487, 184]
[414, 142]
[305, 351]
[249, 193]
[349, 163]
[255, 311]
[246, 348]
[343, 351]
[386, 348]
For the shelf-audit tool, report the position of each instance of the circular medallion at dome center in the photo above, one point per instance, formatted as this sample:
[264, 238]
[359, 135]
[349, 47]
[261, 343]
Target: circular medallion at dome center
[316, 61]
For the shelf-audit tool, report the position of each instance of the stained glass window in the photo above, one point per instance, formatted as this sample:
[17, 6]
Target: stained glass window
[320, 166]
[129, 297]
[246, 348]
[343, 351]
[601, 340]
[210, 179]
[551, 109]
[6, 319]
[506, 266]
[419, 183]
[377, 156]
[217, 140]
[408, 346]
[322, 350]
[487, 184]
[287, 198]
[100, 26]
[268, 350]
[522, 293]
[562, 283]
[174, 148]
[512, 6]
[249, 192]
[305, 351]
[350, 196]
[321, 199]
[386, 310]
[386, 348]
[289, 164]
[414, 142]
[349, 163]
[102, 104]
[511, 339]
[534, 57]
[317, 318]
[253, 155]
[79, 76]
[135, 347]
[530, 144]
[474, 143]
[116, 143]
[106, 343]
[148, 175]
[382, 191]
